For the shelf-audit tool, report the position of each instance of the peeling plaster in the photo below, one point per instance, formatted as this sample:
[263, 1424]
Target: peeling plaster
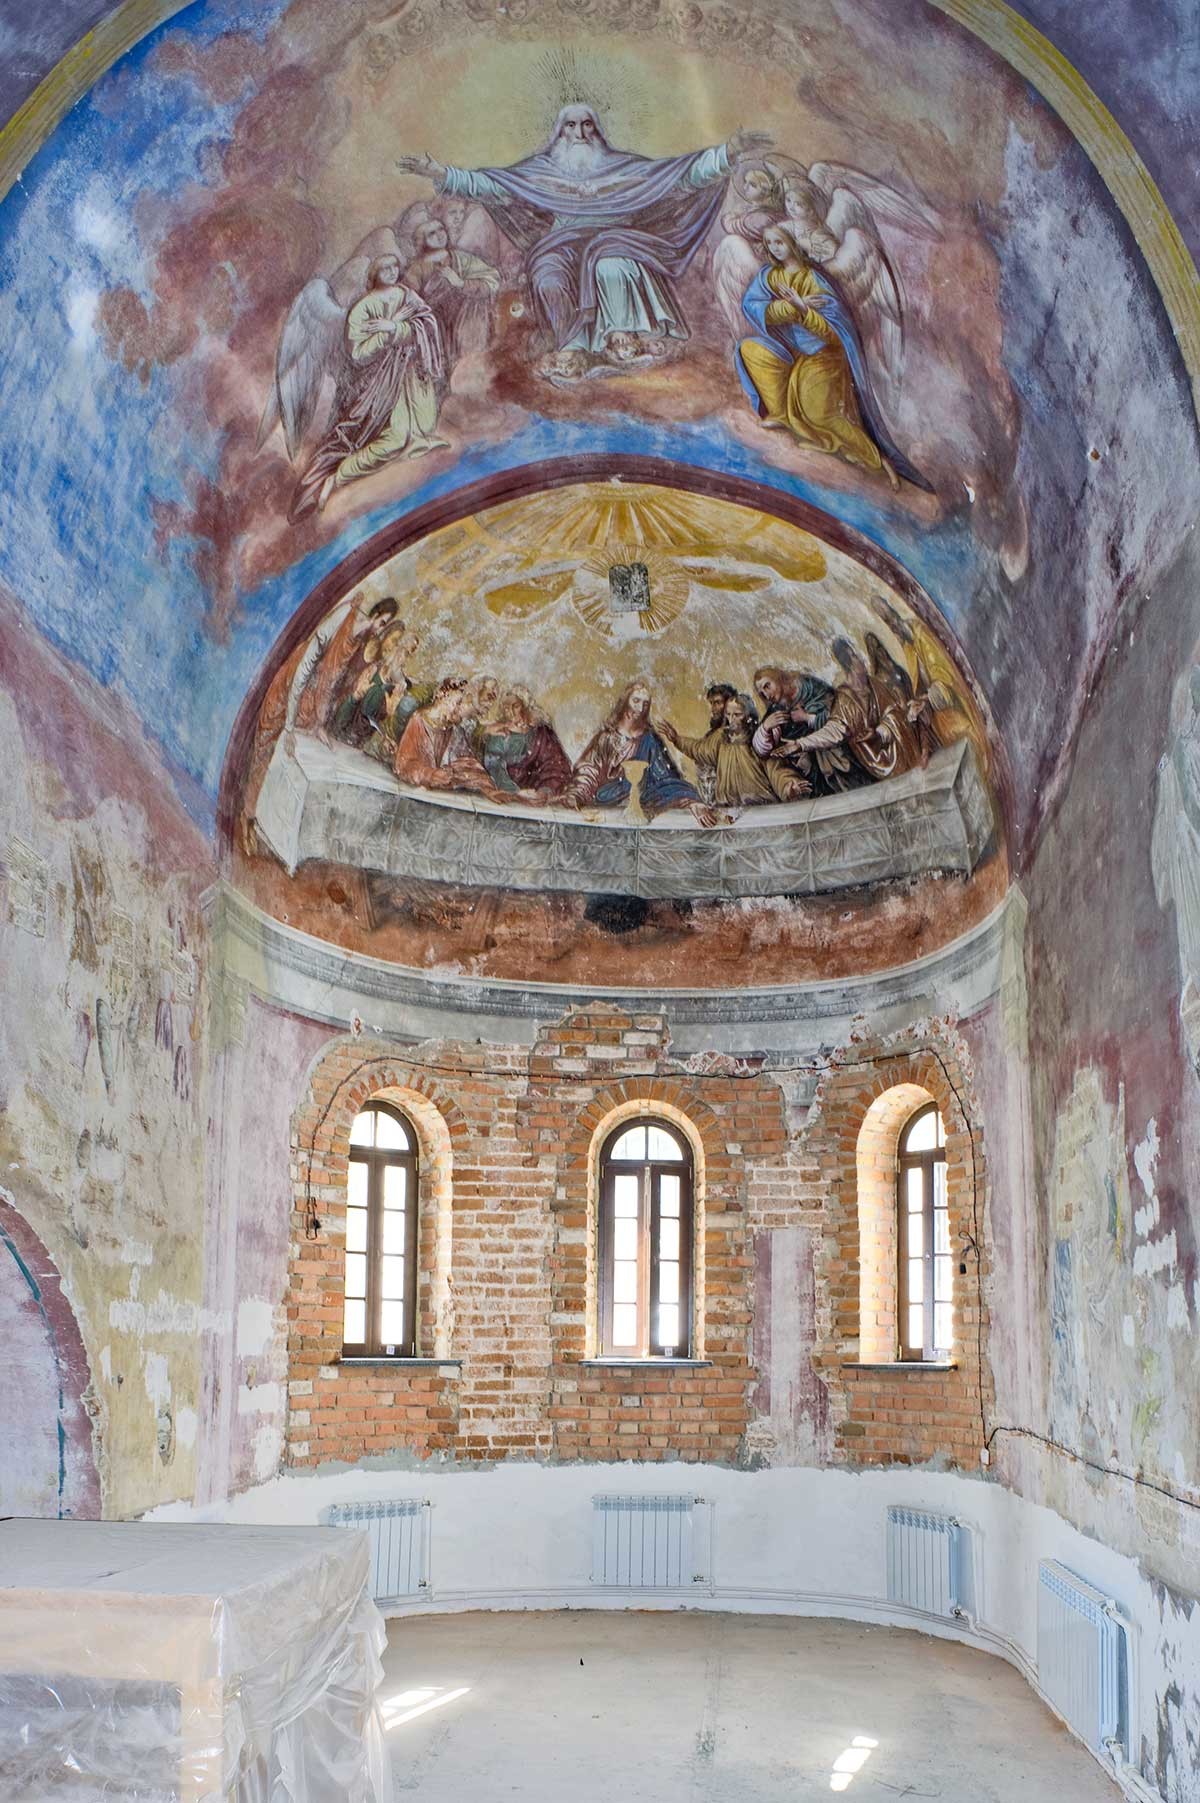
[255, 1325]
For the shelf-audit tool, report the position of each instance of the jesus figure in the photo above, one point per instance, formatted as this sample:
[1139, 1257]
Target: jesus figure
[605, 233]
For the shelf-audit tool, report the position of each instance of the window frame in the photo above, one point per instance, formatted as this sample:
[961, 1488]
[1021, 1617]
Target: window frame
[925, 1161]
[649, 1232]
[377, 1159]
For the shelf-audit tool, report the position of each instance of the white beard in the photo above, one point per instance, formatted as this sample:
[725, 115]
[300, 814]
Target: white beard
[578, 156]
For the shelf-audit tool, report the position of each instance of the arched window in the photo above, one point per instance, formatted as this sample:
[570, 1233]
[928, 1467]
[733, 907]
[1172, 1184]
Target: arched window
[380, 1318]
[645, 1243]
[923, 1237]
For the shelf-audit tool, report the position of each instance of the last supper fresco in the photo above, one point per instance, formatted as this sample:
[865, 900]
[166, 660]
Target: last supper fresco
[617, 688]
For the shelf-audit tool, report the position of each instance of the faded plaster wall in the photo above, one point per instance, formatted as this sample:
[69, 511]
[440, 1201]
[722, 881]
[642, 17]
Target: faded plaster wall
[1116, 1139]
[102, 1067]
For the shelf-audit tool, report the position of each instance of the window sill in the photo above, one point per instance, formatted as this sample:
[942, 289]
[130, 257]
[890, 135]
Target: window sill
[636, 1364]
[403, 1364]
[905, 1365]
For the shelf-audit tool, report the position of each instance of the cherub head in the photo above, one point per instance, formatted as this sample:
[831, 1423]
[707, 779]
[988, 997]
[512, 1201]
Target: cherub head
[454, 214]
[384, 271]
[780, 245]
[431, 238]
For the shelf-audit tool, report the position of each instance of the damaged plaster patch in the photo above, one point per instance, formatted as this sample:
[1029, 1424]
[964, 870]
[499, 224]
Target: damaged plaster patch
[260, 1399]
[186, 1426]
[268, 1450]
[255, 1325]
[157, 1374]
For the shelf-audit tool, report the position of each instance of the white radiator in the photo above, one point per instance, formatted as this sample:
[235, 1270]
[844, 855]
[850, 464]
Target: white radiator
[648, 1542]
[1082, 1658]
[399, 1535]
[925, 1561]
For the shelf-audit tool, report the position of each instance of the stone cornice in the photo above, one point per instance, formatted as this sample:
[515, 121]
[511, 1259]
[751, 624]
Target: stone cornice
[307, 976]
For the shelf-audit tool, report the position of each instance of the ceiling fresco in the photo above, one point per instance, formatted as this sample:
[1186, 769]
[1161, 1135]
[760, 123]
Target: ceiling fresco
[292, 273]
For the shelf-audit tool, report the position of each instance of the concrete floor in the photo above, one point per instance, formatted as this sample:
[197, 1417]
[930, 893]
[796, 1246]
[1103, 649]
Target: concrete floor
[581, 1706]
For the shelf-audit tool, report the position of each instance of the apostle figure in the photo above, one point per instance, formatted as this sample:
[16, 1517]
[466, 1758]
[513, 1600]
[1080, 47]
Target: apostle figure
[869, 722]
[521, 751]
[804, 370]
[627, 737]
[742, 777]
[605, 233]
[458, 286]
[430, 753]
[387, 404]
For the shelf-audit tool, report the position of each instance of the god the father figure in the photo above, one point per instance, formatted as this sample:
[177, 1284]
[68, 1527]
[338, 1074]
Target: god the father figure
[605, 233]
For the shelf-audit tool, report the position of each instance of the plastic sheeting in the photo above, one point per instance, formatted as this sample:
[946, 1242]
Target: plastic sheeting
[145, 1662]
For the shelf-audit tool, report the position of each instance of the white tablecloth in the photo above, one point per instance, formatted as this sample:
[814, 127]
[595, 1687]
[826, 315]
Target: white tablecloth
[152, 1662]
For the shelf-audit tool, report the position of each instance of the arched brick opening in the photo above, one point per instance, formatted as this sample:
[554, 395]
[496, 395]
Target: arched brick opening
[46, 1400]
[646, 1108]
[886, 1411]
[343, 1410]
[878, 1139]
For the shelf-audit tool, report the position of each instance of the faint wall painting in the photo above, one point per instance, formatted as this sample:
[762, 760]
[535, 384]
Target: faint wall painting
[1175, 847]
[615, 656]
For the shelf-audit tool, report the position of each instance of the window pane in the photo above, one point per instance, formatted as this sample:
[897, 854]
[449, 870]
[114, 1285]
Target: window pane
[625, 1282]
[668, 1325]
[943, 1287]
[941, 1131]
[391, 1323]
[632, 1144]
[916, 1278]
[914, 1188]
[395, 1185]
[668, 1283]
[625, 1238]
[941, 1230]
[391, 1279]
[916, 1327]
[354, 1324]
[921, 1136]
[663, 1146]
[939, 1185]
[916, 1235]
[625, 1324]
[356, 1274]
[356, 1184]
[668, 1194]
[391, 1132]
[356, 1230]
[625, 1193]
[394, 1224]
[668, 1238]
[362, 1133]
[943, 1326]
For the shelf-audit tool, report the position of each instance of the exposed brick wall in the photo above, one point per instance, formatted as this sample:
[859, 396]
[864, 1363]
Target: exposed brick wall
[897, 1414]
[510, 1139]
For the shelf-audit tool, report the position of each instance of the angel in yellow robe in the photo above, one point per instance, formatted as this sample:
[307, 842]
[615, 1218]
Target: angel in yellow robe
[805, 371]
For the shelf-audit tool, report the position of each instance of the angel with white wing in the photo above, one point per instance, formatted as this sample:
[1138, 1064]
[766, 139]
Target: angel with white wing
[384, 357]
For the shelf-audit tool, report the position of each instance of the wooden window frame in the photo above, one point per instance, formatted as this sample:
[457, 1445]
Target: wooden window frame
[649, 1220]
[925, 1162]
[377, 1159]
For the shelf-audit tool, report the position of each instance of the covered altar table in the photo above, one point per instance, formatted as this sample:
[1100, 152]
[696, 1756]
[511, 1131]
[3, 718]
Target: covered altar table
[171, 1662]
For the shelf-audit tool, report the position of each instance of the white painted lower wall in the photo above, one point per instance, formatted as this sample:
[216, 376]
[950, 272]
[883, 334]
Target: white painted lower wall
[800, 1541]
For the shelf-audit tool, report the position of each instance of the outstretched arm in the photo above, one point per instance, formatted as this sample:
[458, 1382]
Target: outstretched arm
[423, 164]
